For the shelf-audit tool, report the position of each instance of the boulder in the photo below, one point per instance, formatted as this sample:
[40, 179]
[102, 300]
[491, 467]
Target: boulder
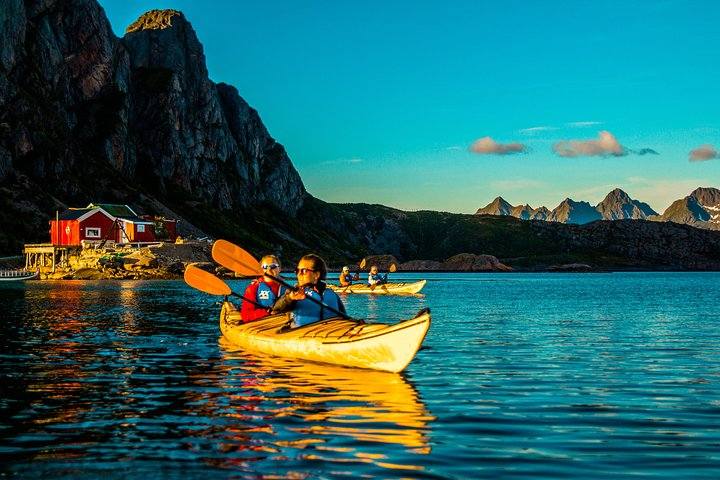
[469, 262]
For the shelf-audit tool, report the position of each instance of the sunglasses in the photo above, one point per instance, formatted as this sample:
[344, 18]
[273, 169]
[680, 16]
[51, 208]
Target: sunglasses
[272, 266]
[303, 271]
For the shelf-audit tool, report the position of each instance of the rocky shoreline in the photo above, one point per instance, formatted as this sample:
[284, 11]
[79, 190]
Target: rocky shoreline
[168, 261]
[163, 261]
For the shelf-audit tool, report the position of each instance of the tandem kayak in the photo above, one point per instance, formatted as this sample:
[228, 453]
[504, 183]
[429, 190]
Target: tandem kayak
[336, 341]
[384, 289]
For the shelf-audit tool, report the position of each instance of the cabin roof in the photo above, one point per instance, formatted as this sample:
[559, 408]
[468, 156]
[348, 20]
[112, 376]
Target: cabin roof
[121, 211]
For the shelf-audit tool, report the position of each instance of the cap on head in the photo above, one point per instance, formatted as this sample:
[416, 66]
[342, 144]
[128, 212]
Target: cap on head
[345, 269]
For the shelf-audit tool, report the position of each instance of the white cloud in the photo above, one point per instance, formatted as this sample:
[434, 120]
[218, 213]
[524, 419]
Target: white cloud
[488, 146]
[583, 124]
[703, 153]
[532, 130]
[606, 145]
[343, 161]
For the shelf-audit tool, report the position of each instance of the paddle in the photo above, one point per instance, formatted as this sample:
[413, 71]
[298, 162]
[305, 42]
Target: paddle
[392, 269]
[360, 267]
[209, 283]
[238, 260]
[357, 275]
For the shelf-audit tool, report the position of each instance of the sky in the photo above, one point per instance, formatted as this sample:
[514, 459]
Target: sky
[446, 104]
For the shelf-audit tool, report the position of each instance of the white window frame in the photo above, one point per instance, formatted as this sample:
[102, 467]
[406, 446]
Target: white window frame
[141, 229]
[93, 232]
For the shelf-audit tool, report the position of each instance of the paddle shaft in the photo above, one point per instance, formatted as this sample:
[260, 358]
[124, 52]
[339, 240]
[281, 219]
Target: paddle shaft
[312, 299]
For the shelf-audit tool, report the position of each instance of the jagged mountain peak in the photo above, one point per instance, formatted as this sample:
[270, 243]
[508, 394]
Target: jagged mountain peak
[709, 196]
[617, 205]
[571, 211]
[617, 194]
[499, 206]
[701, 208]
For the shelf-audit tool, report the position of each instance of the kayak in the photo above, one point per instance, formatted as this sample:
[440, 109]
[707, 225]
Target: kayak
[386, 288]
[336, 340]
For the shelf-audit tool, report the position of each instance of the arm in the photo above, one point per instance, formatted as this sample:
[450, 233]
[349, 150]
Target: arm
[284, 304]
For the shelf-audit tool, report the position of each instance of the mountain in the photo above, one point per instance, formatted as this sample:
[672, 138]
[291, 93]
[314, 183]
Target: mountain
[541, 213]
[700, 209]
[497, 207]
[570, 211]
[618, 205]
[523, 212]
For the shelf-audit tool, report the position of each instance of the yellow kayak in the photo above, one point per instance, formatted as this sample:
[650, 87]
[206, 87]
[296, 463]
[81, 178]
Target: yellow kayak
[384, 289]
[337, 341]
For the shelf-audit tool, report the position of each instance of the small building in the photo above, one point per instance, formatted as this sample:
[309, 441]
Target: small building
[102, 223]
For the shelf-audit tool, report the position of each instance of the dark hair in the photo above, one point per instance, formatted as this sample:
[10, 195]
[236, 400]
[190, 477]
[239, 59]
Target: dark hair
[318, 264]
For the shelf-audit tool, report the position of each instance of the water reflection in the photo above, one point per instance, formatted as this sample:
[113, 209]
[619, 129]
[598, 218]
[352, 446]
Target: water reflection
[314, 409]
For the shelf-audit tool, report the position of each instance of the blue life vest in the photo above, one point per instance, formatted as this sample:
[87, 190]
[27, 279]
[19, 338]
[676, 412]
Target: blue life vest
[377, 278]
[306, 311]
[265, 296]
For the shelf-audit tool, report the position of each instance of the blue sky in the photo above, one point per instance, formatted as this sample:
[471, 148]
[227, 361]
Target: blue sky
[444, 105]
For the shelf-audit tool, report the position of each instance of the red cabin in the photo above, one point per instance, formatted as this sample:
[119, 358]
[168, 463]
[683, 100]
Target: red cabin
[103, 223]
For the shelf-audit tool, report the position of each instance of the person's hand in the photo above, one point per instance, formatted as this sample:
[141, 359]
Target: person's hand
[299, 294]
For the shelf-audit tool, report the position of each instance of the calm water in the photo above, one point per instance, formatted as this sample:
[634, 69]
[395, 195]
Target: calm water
[523, 376]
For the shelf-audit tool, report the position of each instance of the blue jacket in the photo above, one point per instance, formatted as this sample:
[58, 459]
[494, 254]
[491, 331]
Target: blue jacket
[304, 312]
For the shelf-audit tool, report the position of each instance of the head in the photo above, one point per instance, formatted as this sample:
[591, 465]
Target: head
[311, 269]
[373, 269]
[346, 269]
[270, 265]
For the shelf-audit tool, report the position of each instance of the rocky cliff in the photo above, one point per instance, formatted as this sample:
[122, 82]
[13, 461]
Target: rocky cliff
[87, 116]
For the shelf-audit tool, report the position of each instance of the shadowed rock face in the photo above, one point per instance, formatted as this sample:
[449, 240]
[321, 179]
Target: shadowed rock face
[570, 211]
[80, 104]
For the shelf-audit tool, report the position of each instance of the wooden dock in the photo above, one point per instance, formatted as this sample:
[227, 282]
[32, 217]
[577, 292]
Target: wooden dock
[47, 256]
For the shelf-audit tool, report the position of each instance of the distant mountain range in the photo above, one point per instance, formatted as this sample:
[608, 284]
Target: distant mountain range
[700, 209]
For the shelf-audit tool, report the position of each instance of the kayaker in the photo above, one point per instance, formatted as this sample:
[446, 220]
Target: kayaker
[374, 278]
[347, 278]
[263, 290]
[311, 271]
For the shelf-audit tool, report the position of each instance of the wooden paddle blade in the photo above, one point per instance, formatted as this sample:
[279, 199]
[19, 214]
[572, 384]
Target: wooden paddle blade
[205, 281]
[393, 268]
[235, 258]
[362, 264]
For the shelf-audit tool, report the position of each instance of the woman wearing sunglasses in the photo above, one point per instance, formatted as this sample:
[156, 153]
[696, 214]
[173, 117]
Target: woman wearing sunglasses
[263, 290]
[311, 271]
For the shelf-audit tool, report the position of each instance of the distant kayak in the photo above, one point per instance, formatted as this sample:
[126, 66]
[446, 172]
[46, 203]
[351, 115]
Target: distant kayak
[386, 288]
[337, 341]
